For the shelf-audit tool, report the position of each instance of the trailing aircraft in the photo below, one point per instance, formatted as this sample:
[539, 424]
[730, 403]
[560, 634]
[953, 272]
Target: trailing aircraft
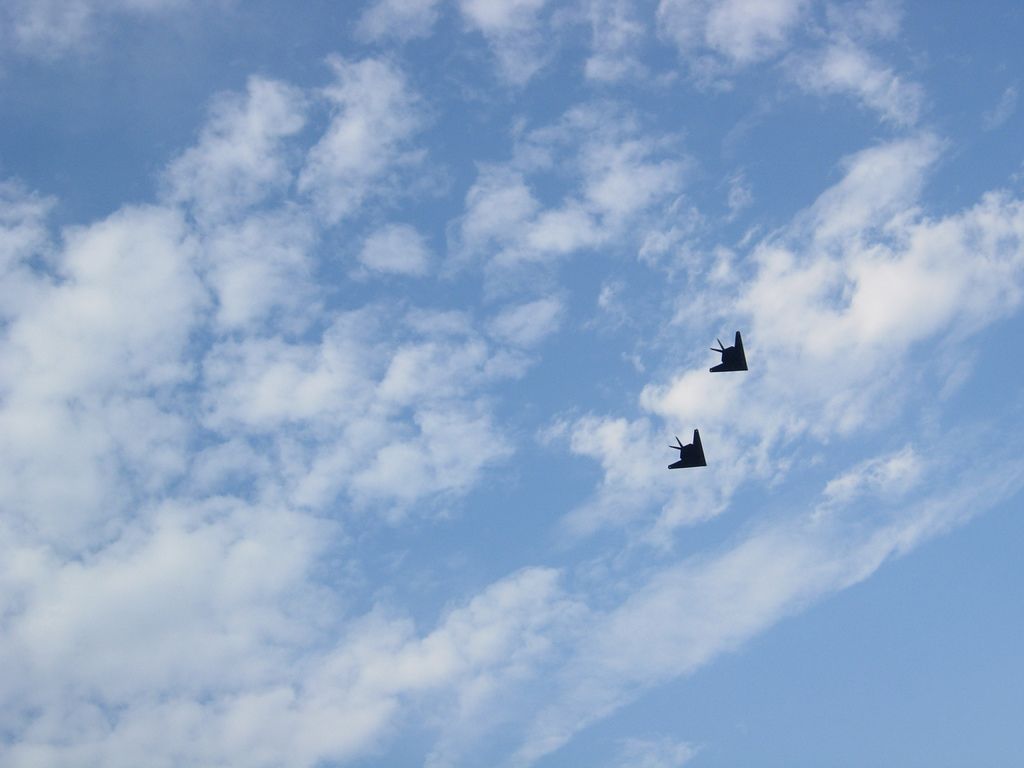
[691, 455]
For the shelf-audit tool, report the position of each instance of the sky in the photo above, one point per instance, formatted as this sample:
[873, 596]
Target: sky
[342, 345]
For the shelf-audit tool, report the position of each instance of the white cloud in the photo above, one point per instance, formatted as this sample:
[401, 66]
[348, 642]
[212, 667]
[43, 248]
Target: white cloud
[497, 206]
[512, 28]
[954, 275]
[866, 19]
[191, 447]
[52, 28]
[452, 448]
[260, 269]
[512, 626]
[239, 159]
[878, 183]
[751, 30]
[832, 309]
[888, 476]
[616, 36]
[741, 31]
[22, 223]
[23, 235]
[740, 195]
[199, 638]
[620, 175]
[148, 626]
[398, 19]
[386, 418]
[653, 753]
[561, 231]
[502, 15]
[527, 324]
[83, 368]
[889, 279]
[633, 455]
[374, 116]
[688, 613]
[176, 430]
[844, 68]
[1002, 111]
[396, 249]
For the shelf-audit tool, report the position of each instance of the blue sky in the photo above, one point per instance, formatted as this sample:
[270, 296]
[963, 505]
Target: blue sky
[341, 348]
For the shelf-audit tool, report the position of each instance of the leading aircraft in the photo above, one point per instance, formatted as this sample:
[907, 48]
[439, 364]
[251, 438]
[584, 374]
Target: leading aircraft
[691, 455]
[733, 358]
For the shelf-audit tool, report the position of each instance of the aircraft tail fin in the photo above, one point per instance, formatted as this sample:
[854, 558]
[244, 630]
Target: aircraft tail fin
[741, 356]
[698, 459]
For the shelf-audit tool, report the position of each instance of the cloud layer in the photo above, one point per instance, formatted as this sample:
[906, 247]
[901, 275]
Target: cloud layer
[267, 435]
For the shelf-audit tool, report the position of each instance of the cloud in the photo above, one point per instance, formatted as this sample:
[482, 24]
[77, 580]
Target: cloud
[512, 28]
[162, 615]
[215, 452]
[260, 269]
[527, 324]
[741, 32]
[686, 614]
[84, 367]
[239, 159]
[836, 307]
[49, 29]
[845, 68]
[616, 37]
[740, 195]
[620, 174]
[866, 19]
[186, 440]
[374, 115]
[884, 476]
[386, 418]
[256, 246]
[964, 264]
[653, 753]
[199, 637]
[525, 36]
[23, 235]
[1002, 111]
[396, 249]
[398, 19]
[497, 205]
[878, 183]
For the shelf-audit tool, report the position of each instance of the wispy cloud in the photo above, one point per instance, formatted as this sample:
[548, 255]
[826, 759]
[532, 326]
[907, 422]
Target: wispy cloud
[737, 32]
[398, 19]
[845, 68]
[49, 29]
[240, 157]
[1002, 111]
[620, 173]
[685, 615]
[395, 249]
[267, 497]
[515, 33]
[374, 115]
[842, 297]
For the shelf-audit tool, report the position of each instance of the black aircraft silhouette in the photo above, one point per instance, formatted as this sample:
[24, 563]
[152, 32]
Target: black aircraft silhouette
[733, 358]
[689, 455]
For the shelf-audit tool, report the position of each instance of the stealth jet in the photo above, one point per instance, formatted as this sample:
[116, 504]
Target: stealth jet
[733, 358]
[689, 455]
